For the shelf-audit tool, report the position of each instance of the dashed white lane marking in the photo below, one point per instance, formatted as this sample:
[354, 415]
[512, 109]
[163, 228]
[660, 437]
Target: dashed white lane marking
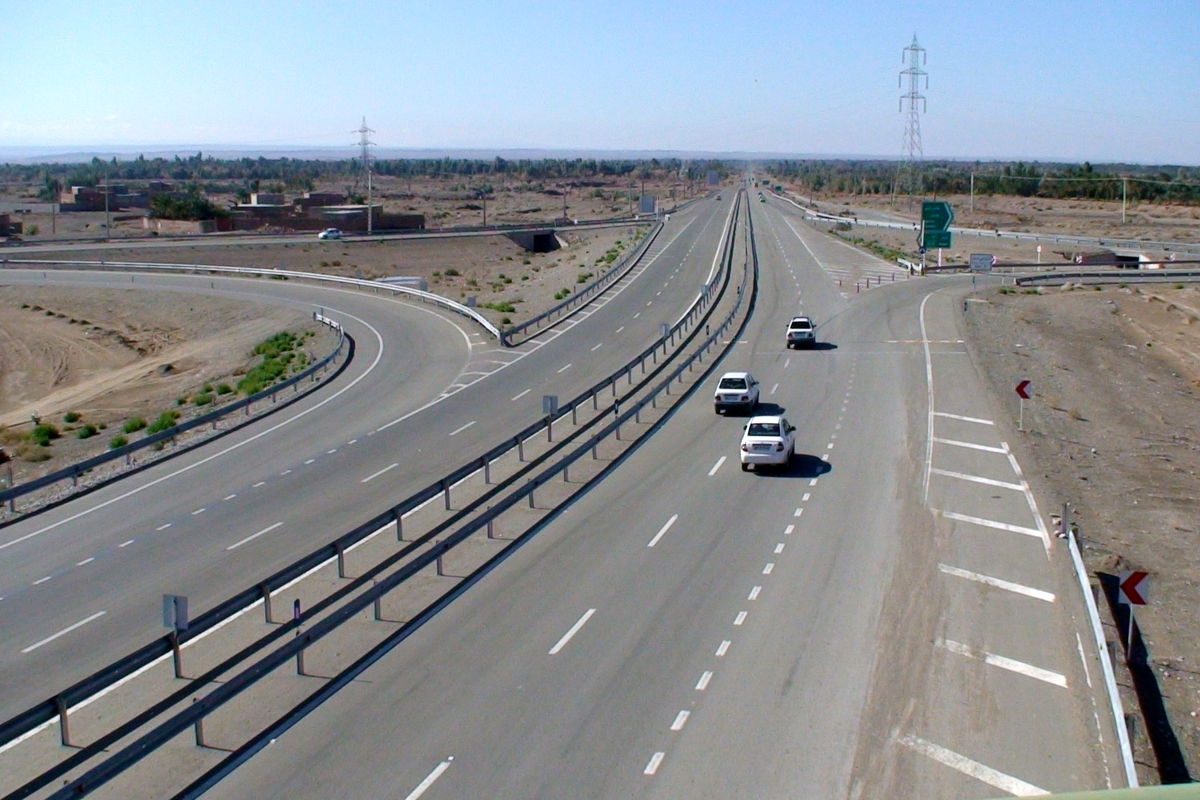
[661, 531]
[813, 482]
[769, 568]
[964, 419]
[254, 536]
[705, 677]
[971, 445]
[655, 760]
[962, 476]
[638, 314]
[462, 428]
[125, 543]
[723, 648]
[999, 583]
[680, 720]
[779, 548]
[40, 581]
[806, 497]
[991, 523]
[522, 394]
[618, 330]
[424, 785]
[566, 637]
[285, 472]
[980, 772]
[564, 368]
[229, 497]
[85, 561]
[1087, 673]
[352, 441]
[64, 631]
[740, 618]
[788, 530]
[199, 511]
[786, 363]
[374, 475]
[1003, 662]
[716, 466]
[327, 452]
[309, 461]
[597, 347]
[754, 593]
[260, 483]
[163, 527]
[797, 512]
[773, 388]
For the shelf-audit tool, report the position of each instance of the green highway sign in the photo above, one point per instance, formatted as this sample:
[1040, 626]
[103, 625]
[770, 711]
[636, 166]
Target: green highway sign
[933, 239]
[936, 215]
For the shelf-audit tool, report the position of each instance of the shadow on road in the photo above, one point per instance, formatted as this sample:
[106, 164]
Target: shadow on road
[802, 466]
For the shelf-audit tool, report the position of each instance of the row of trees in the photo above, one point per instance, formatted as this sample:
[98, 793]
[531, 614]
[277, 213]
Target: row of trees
[1083, 181]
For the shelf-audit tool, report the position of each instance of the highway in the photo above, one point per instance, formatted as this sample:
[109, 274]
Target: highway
[82, 583]
[887, 617]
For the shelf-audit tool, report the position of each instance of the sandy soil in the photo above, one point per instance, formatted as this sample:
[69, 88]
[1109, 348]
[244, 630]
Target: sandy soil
[1113, 429]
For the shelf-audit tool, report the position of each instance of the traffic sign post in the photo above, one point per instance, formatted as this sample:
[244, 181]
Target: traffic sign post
[1023, 390]
[936, 216]
[1133, 588]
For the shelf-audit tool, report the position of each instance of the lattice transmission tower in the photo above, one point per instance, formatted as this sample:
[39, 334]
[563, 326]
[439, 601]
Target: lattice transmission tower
[909, 179]
[365, 144]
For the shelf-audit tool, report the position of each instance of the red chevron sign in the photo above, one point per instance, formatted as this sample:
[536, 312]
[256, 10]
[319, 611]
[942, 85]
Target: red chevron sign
[1023, 389]
[1133, 587]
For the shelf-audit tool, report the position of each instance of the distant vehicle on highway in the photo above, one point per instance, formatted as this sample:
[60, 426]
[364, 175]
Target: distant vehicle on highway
[801, 332]
[736, 390]
[767, 440]
[330, 233]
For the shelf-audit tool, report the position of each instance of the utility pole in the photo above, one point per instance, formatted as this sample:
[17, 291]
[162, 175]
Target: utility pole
[107, 217]
[914, 55]
[365, 143]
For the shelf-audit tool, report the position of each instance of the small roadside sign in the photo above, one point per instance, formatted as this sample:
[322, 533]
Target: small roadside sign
[1134, 587]
[549, 404]
[175, 612]
[981, 262]
[1023, 389]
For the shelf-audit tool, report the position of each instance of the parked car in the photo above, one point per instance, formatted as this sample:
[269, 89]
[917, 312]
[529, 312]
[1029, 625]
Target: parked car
[330, 233]
[801, 332]
[737, 390]
[767, 440]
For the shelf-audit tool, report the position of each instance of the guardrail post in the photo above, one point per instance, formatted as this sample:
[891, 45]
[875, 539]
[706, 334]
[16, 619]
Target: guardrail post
[341, 558]
[520, 449]
[377, 606]
[490, 530]
[176, 654]
[531, 488]
[487, 470]
[574, 415]
[399, 524]
[440, 571]
[74, 478]
[549, 428]
[446, 493]
[64, 727]
[595, 401]
[266, 597]
[300, 656]
[199, 728]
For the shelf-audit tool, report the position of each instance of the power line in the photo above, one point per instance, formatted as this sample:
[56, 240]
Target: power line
[914, 55]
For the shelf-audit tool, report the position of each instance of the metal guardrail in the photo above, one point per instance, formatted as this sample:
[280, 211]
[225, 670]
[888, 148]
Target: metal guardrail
[58, 705]
[1111, 275]
[231, 688]
[435, 299]
[74, 471]
[578, 298]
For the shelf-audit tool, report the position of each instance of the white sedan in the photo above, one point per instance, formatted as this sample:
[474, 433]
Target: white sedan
[767, 440]
[330, 233]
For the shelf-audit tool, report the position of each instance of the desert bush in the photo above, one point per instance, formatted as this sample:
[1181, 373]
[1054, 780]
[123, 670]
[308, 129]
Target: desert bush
[43, 434]
[166, 419]
[203, 398]
[87, 432]
[452, 273]
[133, 424]
[71, 416]
[117, 441]
[224, 388]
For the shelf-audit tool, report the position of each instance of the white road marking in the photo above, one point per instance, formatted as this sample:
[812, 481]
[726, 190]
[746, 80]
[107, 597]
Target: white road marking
[971, 445]
[655, 760]
[424, 785]
[618, 330]
[309, 461]
[40, 581]
[788, 530]
[64, 631]
[829, 446]
[989, 523]
[459, 430]
[638, 314]
[813, 482]
[374, 475]
[806, 497]
[252, 537]
[999, 583]
[198, 511]
[574, 630]
[716, 466]
[125, 543]
[779, 548]
[163, 527]
[229, 497]
[352, 441]
[769, 568]
[663, 530]
[1087, 673]
[1003, 662]
[564, 368]
[705, 677]
[962, 476]
[974, 769]
[754, 593]
[773, 388]
[740, 618]
[964, 419]
[680, 720]
[522, 394]
[85, 561]
[260, 483]
[797, 512]
[597, 347]
[787, 363]
[331, 452]
[285, 472]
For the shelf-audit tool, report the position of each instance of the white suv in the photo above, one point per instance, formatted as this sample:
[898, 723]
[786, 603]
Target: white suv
[767, 440]
[736, 390]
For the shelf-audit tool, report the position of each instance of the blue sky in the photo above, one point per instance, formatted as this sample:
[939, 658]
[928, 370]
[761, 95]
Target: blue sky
[1099, 81]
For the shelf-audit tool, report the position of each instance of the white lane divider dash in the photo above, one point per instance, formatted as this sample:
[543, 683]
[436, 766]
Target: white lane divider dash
[680, 720]
[723, 648]
[85, 562]
[64, 632]
[788, 530]
[462, 428]
[597, 347]
[375, 475]
[740, 618]
[254, 536]
[655, 761]
[40, 581]
[716, 466]
[574, 630]
[754, 593]
[229, 496]
[564, 368]
[769, 568]
[198, 511]
[705, 677]
[125, 543]
[424, 785]
[663, 530]
[779, 548]
[522, 394]
[163, 527]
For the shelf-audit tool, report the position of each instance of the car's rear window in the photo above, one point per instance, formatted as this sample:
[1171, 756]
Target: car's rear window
[732, 383]
[763, 429]
[801, 325]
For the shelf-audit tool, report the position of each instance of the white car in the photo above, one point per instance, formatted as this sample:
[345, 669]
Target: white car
[767, 440]
[330, 233]
[801, 332]
[736, 390]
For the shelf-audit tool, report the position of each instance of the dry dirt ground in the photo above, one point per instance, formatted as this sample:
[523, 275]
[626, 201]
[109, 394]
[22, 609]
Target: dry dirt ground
[1113, 429]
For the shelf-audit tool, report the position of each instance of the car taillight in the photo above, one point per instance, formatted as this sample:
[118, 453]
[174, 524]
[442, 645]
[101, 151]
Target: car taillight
[779, 447]
[745, 448]
[745, 398]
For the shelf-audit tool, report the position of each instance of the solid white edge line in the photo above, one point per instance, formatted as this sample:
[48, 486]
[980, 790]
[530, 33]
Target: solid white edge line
[424, 785]
[63, 632]
[254, 536]
[375, 475]
[716, 466]
[999, 583]
[574, 630]
[666, 527]
[980, 772]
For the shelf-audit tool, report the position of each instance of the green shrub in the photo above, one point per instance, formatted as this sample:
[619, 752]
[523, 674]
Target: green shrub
[43, 434]
[224, 388]
[87, 432]
[203, 399]
[505, 321]
[134, 424]
[71, 416]
[166, 419]
[451, 273]
[207, 388]
[117, 441]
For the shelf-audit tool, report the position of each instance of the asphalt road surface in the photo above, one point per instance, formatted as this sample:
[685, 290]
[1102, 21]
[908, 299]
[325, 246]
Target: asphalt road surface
[887, 617]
